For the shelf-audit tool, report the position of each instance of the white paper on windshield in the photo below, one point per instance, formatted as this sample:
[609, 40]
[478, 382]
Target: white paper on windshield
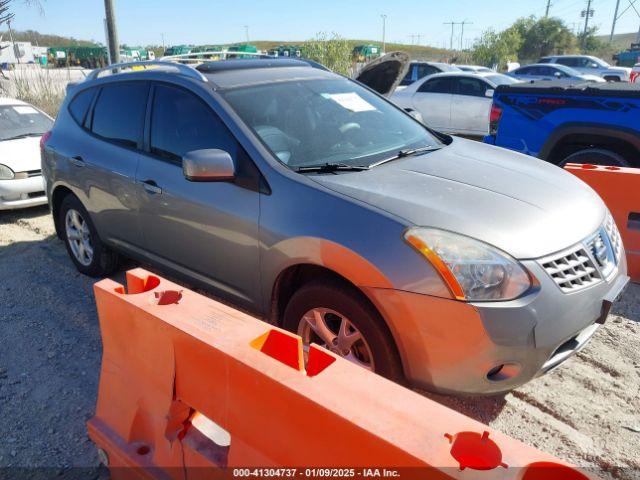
[351, 101]
[25, 110]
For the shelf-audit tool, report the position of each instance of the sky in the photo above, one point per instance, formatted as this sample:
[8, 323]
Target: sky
[149, 22]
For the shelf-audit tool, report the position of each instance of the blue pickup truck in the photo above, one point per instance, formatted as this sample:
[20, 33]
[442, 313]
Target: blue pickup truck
[587, 123]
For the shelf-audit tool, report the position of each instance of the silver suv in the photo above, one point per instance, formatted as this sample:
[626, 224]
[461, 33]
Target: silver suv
[318, 204]
[588, 65]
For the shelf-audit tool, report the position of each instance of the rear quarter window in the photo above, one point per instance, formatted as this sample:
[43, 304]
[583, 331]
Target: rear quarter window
[119, 113]
[79, 106]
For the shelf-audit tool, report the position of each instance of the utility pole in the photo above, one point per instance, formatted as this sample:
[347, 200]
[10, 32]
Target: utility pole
[586, 14]
[462, 24]
[112, 32]
[246, 32]
[615, 19]
[453, 24]
[384, 33]
[163, 47]
[546, 13]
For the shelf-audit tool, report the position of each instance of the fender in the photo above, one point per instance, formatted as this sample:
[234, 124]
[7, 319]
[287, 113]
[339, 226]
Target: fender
[591, 129]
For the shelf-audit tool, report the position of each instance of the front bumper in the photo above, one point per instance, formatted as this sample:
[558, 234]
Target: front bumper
[20, 193]
[457, 347]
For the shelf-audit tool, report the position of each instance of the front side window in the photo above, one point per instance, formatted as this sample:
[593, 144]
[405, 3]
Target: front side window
[181, 122]
[19, 121]
[119, 112]
[320, 121]
[523, 71]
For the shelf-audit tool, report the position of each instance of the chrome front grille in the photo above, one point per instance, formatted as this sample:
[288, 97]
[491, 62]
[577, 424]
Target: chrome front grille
[592, 261]
[572, 270]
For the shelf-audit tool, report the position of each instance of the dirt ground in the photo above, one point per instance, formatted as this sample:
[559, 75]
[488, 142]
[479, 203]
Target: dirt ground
[586, 412]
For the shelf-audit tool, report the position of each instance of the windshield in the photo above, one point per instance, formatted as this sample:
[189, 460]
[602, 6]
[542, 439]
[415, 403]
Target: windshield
[314, 122]
[22, 120]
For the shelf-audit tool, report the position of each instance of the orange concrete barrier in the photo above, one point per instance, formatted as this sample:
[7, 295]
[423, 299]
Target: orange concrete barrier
[620, 190]
[187, 383]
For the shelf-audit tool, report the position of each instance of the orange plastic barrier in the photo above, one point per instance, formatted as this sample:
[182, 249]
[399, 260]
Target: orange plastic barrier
[620, 190]
[187, 382]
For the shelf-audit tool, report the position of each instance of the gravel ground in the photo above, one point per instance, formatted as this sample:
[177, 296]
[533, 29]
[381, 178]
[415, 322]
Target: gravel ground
[585, 412]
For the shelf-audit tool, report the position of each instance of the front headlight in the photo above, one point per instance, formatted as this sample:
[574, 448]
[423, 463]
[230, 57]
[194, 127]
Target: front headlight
[6, 173]
[471, 269]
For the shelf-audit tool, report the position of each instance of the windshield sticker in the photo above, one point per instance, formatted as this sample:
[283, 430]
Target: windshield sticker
[351, 101]
[25, 110]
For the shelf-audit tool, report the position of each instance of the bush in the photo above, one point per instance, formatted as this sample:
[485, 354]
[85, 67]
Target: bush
[332, 51]
[35, 86]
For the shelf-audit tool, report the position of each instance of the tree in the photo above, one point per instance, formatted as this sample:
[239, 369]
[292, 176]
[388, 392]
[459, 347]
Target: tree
[589, 42]
[545, 36]
[496, 48]
[332, 51]
[5, 13]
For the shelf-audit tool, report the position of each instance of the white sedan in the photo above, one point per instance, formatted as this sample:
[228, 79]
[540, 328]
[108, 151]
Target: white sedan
[21, 127]
[453, 102]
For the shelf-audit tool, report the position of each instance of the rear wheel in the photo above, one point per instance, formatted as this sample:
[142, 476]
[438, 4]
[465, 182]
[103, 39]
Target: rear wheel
[88, 253]
[338, 319]
[596, 156]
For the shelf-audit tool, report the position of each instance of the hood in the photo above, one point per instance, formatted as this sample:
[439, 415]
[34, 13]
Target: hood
[385, 73]
[21, 154]
[522, 205]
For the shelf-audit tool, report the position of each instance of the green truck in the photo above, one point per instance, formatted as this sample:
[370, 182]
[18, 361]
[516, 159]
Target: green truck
[364, 53]
[178, 50]
[71, 56]
[291, 51]
[235, 51]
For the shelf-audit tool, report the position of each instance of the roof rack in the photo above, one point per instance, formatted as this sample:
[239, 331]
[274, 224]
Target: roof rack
[183, 69]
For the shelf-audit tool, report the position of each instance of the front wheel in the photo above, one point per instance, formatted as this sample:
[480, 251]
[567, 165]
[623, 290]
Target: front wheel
[88, 253]
[596, 156]
[338, 319]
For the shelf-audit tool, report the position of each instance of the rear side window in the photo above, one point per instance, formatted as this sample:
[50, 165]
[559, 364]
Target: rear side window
[471, 87]
[569, 61]
[79, 106]
[436, 85]
[119, 112]
[181, 122]
[424, 70]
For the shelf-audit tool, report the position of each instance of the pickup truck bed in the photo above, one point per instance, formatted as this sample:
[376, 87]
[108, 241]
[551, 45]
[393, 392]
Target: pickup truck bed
[582, 123]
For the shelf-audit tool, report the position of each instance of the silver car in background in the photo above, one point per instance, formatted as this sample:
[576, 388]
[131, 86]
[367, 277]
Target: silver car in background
[453, 102]
[552, 72]
[589, 65]
[319, 205]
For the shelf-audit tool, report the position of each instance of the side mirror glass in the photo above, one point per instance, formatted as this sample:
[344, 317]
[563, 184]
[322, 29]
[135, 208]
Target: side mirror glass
[208, 165]
[489, 92]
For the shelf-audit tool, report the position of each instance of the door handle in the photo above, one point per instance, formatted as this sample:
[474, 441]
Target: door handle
[78, 161]
[151, 187]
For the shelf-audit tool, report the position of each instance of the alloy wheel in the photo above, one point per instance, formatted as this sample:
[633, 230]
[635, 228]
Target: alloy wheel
[335, 332]
[79, 237]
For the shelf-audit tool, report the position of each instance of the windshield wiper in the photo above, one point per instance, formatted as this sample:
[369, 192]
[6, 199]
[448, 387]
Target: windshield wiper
[331, 168]
[407, 153]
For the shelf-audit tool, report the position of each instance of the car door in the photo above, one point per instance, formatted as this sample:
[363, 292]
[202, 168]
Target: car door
[470, 106]
[104, 164]
[433, 100]
[207, 231]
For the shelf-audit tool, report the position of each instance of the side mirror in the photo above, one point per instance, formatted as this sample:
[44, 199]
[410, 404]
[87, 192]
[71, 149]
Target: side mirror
[208, 165]
[557, 74]
[489, 92]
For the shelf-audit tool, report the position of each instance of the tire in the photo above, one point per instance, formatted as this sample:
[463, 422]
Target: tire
[596, 156]
[74, 219]
[334, 302]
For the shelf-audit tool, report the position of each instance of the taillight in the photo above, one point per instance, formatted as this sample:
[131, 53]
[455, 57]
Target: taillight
[494, 118]
[43, 140]
[633, 77]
